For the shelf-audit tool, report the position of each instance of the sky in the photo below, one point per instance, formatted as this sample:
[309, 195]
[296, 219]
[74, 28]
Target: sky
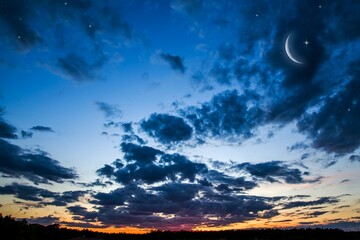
[129, 116]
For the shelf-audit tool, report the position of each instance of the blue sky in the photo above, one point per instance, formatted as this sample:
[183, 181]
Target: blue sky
[138, 115]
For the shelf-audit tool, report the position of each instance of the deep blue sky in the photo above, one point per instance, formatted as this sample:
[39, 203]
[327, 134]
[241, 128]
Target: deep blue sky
[123, 115]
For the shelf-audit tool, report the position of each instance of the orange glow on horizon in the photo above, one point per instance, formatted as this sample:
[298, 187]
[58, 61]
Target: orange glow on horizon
[127, 230]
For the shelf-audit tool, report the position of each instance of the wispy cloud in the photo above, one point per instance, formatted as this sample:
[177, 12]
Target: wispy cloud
[176, 63]
[109, 110]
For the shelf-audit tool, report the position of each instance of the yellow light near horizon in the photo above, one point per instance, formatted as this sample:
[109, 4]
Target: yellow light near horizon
[127, 230]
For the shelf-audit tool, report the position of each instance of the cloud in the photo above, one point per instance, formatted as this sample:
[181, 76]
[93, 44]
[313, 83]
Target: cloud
[26, 192]
[286, 92]
[40, 195]
[166, 129]
[221, 73]
[42, 129]
[78, 68]
[110, 111]
[83, 225]
[37, 167]
[331, 127]
[178, 192]
[82, 214]
[111, 123]
[67, 197]
[127, 127]
[26, 134]
[29, 27]
[133, 205]
[175, 62]
[162, 190]
[106, 171]
[149, 165]
[132, 138]
[228, 115]
[298, 146]
[6, 130]
[15, 18]
[319, 201]
[140, 154]
[226, 183]
[47, 220]
[354, 158]
[274, 170]
[316, 214]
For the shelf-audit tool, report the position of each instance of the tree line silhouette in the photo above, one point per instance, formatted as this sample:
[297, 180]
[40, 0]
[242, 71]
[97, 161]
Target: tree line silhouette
[13, 229]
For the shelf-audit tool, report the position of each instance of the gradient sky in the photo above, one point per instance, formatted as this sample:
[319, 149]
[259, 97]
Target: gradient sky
[180, 115]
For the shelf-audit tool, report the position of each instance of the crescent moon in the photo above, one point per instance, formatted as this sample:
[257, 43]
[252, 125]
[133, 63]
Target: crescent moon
[288, 53]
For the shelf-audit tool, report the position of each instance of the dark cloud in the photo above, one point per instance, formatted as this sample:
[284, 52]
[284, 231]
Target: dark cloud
[274, 171]
[287, 92]
[178, 192]
[78, 68]
[175, 62]
[42, 129]
[190, 204]
[132, 138]
[270, 214]
[140, 154]
[221, 73]
[14, 18]
[316, 214]
[29, 26]
[354, 158]
[26, 134]
[331, 127]
[167, 129]
[127, 127]
[174, 186]
[228, 115]
[42, 196]
[112, 123]
[96, 183]
[106, 171]
[320, 201]
[47, 220]
[150, 165]
[298, 146]
[227, 183]
[37, 167]
[83, 225]
[82, 214]
[109, 110]
[26, 192]
[67, 197]
[6, 130]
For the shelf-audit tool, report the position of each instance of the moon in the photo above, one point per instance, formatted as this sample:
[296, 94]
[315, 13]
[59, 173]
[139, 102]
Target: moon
[288, 53]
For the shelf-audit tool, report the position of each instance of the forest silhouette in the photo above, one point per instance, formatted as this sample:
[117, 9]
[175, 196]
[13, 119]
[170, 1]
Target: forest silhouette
[10, 228]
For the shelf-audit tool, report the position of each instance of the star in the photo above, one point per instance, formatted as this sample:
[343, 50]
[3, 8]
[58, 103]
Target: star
[90, 26]
[306, 42]
[65, 3]
[19, 37]
[256, 15]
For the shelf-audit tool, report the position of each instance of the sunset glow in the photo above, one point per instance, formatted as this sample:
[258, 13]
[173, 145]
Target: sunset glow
[135, 116]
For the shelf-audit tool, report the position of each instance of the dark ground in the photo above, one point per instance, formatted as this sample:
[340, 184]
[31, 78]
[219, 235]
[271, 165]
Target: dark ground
[21, 230]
